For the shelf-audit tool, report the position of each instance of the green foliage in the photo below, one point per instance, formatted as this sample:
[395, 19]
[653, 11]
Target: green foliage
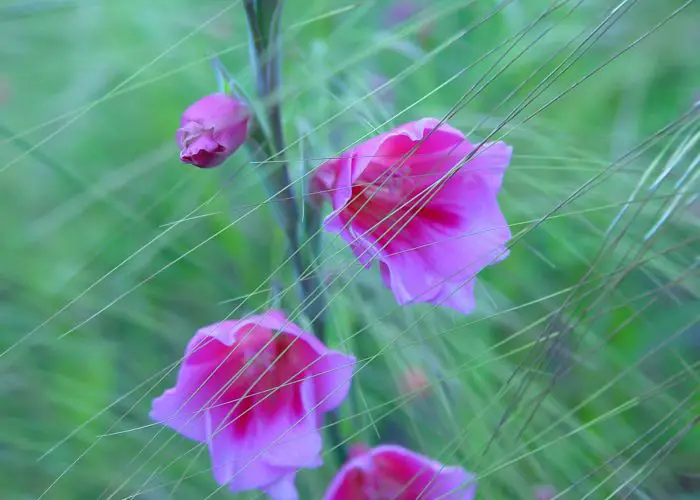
[586, 337]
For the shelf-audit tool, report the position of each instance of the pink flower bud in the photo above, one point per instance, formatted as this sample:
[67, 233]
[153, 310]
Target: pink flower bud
[212, 129]
[415, 381]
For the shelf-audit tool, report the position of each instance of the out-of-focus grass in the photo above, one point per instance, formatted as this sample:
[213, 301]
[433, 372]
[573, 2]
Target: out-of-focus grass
[92, 190]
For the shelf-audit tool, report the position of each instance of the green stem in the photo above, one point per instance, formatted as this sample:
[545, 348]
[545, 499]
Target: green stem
[264, 24]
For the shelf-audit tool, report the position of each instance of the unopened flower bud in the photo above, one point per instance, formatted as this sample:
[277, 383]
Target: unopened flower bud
[415, 381]
[212, 129]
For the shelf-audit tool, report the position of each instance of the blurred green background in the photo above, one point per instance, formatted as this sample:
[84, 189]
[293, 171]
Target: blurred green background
[113, 253]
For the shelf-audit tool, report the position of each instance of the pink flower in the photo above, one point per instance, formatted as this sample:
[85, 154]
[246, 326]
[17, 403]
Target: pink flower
[390, 471]
[212, 129]
[415, 381]
[431, 232]
[259, 415]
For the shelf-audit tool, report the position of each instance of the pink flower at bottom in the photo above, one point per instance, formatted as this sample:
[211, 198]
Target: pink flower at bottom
[212, 129]
[254, 391]
[393, 472]
[394, 201]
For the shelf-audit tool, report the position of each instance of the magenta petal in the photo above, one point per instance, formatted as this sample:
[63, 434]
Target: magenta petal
[390, 471]
[295, 441]
[168, 409]
[348, 481]
[332, 375]
[203, 143]
[405, 198]
[332, 371]
[422, 477]
[411, 287]
[180, 407]
[362, 244]
[442, 267]
[283, 489]
[454, 483]
[230, 332]
[270, 449]
[490, 163]
[230, 453]
[255, 390]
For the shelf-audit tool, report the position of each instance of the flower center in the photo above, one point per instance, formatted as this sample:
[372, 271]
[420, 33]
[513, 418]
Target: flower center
[264, 378]
[391, 208]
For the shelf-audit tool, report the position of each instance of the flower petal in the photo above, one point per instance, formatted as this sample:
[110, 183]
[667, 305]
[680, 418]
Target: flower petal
[283, 489]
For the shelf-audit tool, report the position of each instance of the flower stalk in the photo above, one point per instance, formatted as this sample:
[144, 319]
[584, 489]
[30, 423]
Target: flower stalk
[267, 138]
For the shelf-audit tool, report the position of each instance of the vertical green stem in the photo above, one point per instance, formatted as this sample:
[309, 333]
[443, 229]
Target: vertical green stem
[263, 21]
